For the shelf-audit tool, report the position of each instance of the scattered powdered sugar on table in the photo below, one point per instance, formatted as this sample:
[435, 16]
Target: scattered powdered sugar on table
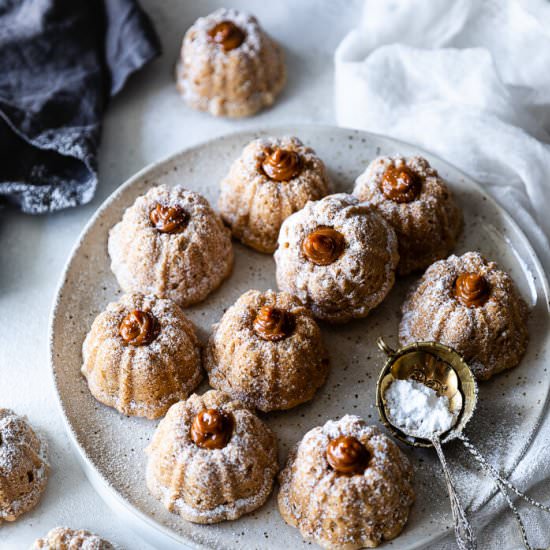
[418, 410]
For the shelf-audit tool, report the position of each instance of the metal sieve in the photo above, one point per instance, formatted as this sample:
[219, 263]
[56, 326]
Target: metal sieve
[444, 370]
[436, 366]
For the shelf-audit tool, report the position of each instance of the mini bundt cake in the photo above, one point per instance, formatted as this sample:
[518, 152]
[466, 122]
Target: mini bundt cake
[346, 485]
[24, 466]
[141, 355]
[229, 66]
[63, 538]
[211, 459]
[272, 179]
[171, 243]
[338, 256]
[267, 351]
[413, 198]
[467, 303]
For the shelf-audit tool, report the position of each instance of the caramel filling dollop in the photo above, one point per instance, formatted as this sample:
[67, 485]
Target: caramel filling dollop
[138, 328]
[168, 219]
[227, 35]
[323, 246]
[212, 429]
[273, 324]
[400, 184]
[471, 289]
[347, 455]
[282, 165]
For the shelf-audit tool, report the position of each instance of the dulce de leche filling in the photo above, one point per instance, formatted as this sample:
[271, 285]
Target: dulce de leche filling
[168, 219]
[347, 455]
[472, 289]
[227, 35]
[400, 184]
[323, 246]
[273, 324]
[138, 328]
[282, 165]
[212, 429]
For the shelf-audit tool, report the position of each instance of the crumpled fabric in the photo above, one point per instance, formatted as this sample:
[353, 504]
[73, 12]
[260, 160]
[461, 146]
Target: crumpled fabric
[469, 81]
[60, 61]
[466, 80]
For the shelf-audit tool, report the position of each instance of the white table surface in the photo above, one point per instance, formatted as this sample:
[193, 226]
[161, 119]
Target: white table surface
[146, 122]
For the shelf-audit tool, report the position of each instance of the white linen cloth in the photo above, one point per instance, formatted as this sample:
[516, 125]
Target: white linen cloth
[468, 80]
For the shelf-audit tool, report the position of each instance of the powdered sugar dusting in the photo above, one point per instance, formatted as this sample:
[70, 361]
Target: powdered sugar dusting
[492, 337]
[376, 169]
[418, 410]
[24, 466]
[338, 510]
[359, 279]
[254, 206]
[184, 266]
[237, 82]
[427, 227]
[142, 380]
[266, 375]
[247, 23]
[186, 478]
[66, 538]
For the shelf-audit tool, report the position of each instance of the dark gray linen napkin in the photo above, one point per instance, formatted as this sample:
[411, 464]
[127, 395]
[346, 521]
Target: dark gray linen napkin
[60, 61]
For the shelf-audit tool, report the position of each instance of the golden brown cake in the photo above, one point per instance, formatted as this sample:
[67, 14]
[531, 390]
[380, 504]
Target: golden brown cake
[141, 355]
[211, 459]
[229, 66]
[346, 486]
[338, 256]
[24, 466]
[267, 351]
[63, 538]
[171, 243]
[272, 179]
[467, 303]
[413, 198]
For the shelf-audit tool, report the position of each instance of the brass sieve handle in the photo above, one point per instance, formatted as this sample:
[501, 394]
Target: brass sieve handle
[383, 347]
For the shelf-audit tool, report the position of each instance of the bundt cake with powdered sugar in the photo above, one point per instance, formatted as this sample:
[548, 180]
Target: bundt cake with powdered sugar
[24, 466]
[171, 243]
[467, 303]
[141, 356]
[346, 485]
[338, 256]
[229, 66]
[64, 538]
[272, 179]
[267, 351]
[211, 459]
[415, 200]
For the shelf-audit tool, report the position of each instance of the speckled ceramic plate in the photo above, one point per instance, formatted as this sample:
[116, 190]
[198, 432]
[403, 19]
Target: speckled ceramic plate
[111, 445]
